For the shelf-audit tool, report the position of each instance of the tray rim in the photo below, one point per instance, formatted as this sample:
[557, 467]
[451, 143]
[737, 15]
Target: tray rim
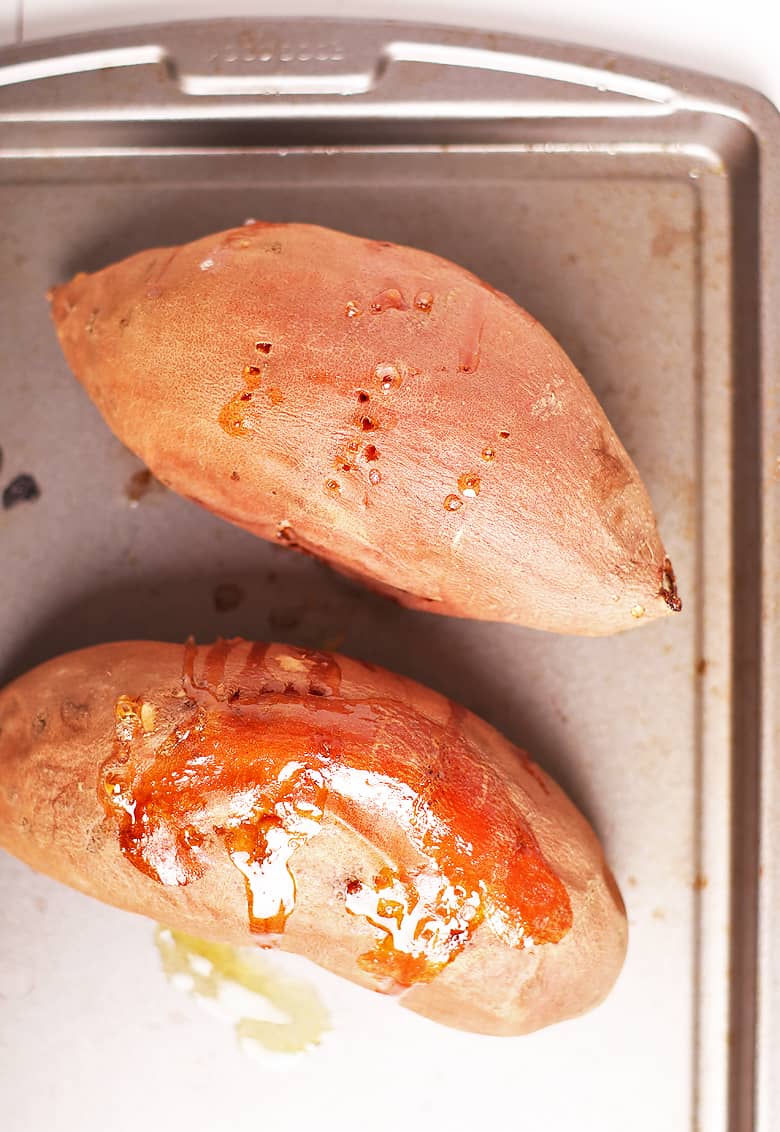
[705, 94]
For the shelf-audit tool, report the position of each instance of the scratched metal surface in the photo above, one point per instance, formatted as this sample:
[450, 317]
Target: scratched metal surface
[622, 204]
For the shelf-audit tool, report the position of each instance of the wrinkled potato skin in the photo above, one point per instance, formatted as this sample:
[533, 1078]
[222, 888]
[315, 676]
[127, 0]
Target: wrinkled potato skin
[57, 728]
[561, 535]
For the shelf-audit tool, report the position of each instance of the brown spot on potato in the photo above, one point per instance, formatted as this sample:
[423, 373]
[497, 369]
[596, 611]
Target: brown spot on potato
[74, 716]
[612, 473]
[700, 881]
[701, 666]
[668, 587]
[235, 476]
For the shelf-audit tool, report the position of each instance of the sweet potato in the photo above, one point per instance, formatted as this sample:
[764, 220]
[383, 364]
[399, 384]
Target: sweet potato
[255, 793]
[379, 407]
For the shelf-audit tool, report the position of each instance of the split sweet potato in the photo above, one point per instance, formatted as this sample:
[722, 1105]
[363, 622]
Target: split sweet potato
[249, 793]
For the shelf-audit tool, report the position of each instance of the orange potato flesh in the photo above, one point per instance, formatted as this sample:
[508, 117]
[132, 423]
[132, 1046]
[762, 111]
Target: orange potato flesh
[381, 408]
[270, 795]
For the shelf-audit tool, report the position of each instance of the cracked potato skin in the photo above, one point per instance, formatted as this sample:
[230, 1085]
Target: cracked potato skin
[428, 856]
[381, 408]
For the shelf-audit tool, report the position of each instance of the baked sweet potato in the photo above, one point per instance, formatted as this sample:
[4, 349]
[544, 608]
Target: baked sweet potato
[299, 799]
[379, 407]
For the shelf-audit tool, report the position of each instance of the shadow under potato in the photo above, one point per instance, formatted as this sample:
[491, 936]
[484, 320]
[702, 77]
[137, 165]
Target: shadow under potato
[464, 660]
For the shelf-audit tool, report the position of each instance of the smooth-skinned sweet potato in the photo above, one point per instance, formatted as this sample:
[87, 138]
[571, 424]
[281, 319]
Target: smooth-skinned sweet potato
[267, 794]
[381, 408]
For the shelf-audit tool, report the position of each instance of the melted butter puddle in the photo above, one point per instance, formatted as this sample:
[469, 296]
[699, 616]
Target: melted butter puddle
[267, 1009]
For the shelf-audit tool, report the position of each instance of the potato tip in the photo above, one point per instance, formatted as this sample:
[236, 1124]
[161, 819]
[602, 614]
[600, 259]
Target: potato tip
[668, 589]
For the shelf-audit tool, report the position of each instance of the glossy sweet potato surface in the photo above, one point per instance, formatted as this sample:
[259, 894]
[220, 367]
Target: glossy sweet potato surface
[381, 408]
[254, 793]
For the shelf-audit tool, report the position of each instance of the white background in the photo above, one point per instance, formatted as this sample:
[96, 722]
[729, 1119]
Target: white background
[737, 40]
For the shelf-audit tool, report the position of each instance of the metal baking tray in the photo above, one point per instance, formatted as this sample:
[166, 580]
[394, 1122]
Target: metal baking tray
[632, 207]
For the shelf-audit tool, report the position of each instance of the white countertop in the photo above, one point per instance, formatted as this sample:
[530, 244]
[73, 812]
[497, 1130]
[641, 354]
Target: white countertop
[736, 41]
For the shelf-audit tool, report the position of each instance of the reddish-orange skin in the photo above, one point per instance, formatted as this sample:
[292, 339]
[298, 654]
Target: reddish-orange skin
[236, 743]
[379, 407]
[269, 795]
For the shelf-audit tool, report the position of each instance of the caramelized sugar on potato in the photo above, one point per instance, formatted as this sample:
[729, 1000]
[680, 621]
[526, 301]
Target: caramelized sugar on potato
[261, 793]
[381, 408]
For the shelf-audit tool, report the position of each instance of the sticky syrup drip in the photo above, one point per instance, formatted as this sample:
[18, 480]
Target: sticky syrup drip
[270, 747]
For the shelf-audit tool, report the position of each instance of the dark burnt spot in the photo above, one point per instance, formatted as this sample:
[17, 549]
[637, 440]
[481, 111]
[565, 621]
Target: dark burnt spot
[318, 690]
[263, 347]
[363, 397]
[668, 587]
[235, 476]
[21, 489]
[368, 424]
[371, 452]
[285, 533]
[352, 886]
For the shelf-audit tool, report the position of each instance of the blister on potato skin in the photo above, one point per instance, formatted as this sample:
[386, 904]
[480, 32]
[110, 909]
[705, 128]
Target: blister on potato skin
[381, 408]
[255, 793]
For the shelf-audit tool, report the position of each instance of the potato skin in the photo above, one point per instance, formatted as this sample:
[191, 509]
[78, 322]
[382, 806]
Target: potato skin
[381, 408]
[440, 794]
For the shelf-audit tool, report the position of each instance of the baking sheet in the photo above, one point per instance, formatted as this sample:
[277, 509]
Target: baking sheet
[623, 206]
